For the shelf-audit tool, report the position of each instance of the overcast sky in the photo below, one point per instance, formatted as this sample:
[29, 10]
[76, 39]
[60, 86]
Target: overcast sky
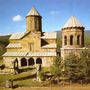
[54, 14]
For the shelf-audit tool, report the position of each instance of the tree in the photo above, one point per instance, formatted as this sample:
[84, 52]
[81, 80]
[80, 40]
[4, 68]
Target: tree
[59, 41]
[78, 67]
[71, 63]
[84, 63]
[56, 67]
[87, 39]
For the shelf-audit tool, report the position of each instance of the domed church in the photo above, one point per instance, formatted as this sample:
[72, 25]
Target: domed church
[34, 47]
[31, 47]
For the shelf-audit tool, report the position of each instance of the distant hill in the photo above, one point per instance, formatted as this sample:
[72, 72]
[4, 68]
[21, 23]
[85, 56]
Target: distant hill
[87, 38]
[4, 40]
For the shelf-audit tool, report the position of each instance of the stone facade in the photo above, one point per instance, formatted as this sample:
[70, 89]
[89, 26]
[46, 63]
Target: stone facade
[31, 47]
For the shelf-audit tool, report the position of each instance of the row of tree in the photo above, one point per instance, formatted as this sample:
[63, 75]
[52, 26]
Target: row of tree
[74, 67]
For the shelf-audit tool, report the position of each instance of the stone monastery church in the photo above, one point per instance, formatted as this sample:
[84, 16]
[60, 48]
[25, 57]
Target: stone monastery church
[34, 47]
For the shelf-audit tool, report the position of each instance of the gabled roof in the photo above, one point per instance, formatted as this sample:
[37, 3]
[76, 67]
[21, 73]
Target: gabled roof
[42, 54]
[49, 35]
[72, 22]
[11, 54]
[33, 12]
[14, 45]
[17, 35]
[15, 54]
[46, 35]
[50, 46]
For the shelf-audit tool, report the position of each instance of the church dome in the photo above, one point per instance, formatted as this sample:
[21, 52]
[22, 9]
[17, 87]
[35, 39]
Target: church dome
[72, 23]
[33, 12]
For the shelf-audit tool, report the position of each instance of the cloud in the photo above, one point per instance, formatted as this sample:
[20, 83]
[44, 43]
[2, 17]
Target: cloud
[17, 18]
[54, 12]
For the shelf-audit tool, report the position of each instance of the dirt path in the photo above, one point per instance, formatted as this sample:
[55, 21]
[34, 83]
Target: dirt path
[51, 88]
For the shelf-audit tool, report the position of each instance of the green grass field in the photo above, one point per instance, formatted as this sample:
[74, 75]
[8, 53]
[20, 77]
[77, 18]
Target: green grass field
[25, 79]
[22, 79]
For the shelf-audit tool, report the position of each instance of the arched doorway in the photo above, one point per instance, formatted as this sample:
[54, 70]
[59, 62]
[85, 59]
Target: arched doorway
[23, 62]
[38, 61]
[31, 61]
[16, 63]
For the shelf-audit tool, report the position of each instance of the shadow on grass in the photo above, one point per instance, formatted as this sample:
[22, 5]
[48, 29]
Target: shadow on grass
[15, 86]
[24, 78]
[25, 69]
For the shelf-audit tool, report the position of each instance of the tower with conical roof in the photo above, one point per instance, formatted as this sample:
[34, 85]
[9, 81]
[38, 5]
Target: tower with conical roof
[33, 21]
[72, 36]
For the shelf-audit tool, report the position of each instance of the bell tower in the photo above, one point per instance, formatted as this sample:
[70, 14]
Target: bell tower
[72, 36]
[33, 21]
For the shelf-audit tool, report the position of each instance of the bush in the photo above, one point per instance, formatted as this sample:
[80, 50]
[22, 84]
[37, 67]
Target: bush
[42, 75]
[56, 67]
[2, 66]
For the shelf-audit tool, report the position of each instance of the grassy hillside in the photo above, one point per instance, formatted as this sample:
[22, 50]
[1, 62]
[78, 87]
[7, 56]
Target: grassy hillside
[4, 40]
[87, 39]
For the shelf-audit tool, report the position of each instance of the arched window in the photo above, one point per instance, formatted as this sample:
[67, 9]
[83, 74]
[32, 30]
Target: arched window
[65, 40]
[31, 61]
[38, 61]
[31, 23]
[35, 24]
[71, 40]
[78, 40]
[23, 62]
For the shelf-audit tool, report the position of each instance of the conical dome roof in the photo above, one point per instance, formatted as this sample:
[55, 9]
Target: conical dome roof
[72, 22]
[33, 12]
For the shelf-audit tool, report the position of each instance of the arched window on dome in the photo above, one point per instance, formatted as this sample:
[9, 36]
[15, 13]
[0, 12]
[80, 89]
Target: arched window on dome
[71, 40]
[65, 40]
[78, 40]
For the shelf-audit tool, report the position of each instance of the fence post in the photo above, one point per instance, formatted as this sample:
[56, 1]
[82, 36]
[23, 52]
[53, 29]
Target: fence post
[9, 83]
